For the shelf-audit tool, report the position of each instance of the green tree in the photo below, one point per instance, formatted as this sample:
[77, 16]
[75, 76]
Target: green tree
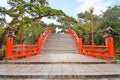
[83, 30]
[23, 13]
[66, 22]
[53, 27]
[111, 18]
[83, 17]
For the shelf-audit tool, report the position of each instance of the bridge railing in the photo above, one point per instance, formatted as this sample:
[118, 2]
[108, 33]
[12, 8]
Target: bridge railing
[95, 51]
[78, 40]
[17, 51]
[104, 52]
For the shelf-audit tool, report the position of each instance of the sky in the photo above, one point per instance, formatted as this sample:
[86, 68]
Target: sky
[73, 7]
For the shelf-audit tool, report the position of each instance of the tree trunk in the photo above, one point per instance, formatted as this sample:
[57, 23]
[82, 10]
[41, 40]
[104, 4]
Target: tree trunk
[3, 36]
[2, 39]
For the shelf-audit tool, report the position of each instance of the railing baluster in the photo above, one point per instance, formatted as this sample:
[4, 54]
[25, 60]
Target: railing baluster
[25, 50]
[104, 52]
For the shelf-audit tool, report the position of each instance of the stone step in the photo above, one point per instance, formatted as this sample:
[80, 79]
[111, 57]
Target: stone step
[56, 62]
[61, 35]
[59, 51]
[59, 47]
[58, 58]
[60, 71]
[47, 45]
[58, 40]
[59, 61]
[55, 42]
[59, 43]
[59, 76]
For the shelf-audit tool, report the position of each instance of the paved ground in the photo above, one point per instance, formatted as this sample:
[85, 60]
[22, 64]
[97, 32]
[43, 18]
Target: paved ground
[62, 69]
[59, 43]
[59, 70]
[59, 58]
[59, 61]
[63, 66]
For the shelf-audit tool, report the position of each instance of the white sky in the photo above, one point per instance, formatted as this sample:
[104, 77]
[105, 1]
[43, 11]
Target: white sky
[73, 7]
[99, 5]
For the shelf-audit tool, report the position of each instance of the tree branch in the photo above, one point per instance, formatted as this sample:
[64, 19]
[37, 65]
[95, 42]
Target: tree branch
[42, 16]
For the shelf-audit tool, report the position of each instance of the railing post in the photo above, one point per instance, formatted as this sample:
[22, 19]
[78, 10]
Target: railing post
[68, 32]
[49, 31]
[80, 45]
[9, 47]
[110, 44]
[39, 43]
[28, 49]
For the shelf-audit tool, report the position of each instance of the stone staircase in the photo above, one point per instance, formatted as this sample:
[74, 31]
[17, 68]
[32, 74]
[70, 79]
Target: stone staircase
[59, 43]
[59, 60]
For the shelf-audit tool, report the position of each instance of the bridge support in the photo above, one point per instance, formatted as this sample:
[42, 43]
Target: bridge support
[110, 44]
[80, 45]
[94, 50]
[39, 43]
[9, 47]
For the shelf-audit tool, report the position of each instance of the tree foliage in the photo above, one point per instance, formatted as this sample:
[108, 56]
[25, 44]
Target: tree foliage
[25, 13]
[66, 22]
[111, 18]
[53, 27]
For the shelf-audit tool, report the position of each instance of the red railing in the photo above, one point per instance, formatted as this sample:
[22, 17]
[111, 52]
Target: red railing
[78, 40]
[104, 52]
[17, 51]
[95, 51]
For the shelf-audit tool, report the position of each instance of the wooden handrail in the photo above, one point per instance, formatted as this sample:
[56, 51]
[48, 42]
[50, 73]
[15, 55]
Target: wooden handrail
[17, 51]
[94, 50]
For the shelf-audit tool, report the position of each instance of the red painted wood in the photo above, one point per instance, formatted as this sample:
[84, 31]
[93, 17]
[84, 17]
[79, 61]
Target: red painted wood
[17, 51]
[104, 52]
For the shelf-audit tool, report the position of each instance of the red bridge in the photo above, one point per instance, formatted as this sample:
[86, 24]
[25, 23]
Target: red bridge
[59, 56]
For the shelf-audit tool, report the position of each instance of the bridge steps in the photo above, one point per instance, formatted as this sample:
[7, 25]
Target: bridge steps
[60, 71]
[58, 62]
[59, 43]
[58, 58]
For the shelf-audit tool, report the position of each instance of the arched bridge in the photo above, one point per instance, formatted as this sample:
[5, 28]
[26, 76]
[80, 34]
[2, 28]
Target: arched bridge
[59, 56]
